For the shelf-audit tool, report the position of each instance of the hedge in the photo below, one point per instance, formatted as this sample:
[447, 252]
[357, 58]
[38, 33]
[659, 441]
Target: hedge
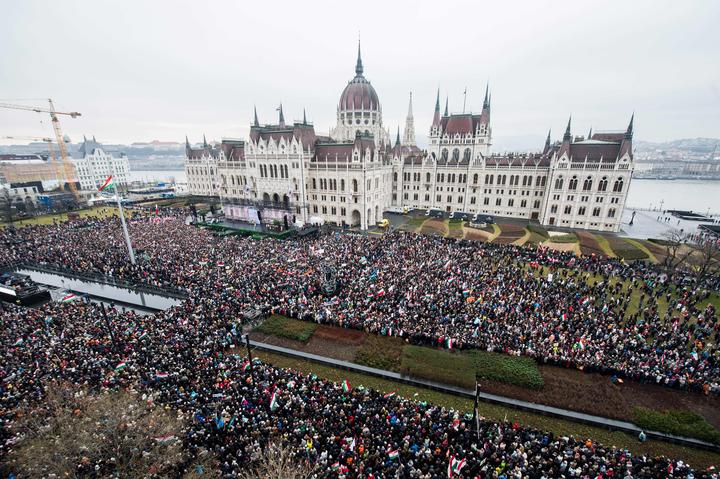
[287, 328]
[681, 423]
[518, 370]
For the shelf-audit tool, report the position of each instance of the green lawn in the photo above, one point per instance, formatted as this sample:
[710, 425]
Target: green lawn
[681, 423]
[520, 371]
[566, 238]
[695, 457]
[287, 328]
[605, 246]
[100, 211]
[380, 352]
[416, 221]
[439, 365]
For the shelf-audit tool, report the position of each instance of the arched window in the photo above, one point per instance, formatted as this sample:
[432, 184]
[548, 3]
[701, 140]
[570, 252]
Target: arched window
[355, 185]
[395, 177]
[618, 186]
[427, 177]
[456, 154]
[342, 184]
[467, 154]
[587, 184]
[314, 184]
[559, 183]
[475, 178]
[573, 183]
[602, 186]
[444, 154]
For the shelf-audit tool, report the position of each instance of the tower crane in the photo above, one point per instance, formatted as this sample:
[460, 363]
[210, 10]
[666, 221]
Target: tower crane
[57, 168]
[67, 167]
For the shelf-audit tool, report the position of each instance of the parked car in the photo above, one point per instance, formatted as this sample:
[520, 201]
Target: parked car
[434, 213]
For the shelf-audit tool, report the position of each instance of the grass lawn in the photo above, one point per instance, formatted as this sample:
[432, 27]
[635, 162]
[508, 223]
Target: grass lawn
[682, 423]
[625, 249]
[101, 211]
[456, 368]
[416, 222]
[566, 238]
[605, 246]
[520, 371]
[496, 232]
[287, 328]
[380, 352]
[642, 248]
[695, 457]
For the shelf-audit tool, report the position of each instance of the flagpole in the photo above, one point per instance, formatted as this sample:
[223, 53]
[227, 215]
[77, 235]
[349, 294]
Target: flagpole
[124, 226]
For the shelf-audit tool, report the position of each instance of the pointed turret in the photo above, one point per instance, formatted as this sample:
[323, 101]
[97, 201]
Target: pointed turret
[358, 64]
[205, 143]
[94, 140]
[436, 115]
[590, 134]
[397, 139]
[568, 135]
[304, 117]
[281, 121]
[409, 134]
[84, 139]
[187, 145]
[629, 132]
[486, 101]
[255, 121]
[446, 107]
[547, 142]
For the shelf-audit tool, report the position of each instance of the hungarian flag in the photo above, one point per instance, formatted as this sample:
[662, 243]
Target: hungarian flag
[161, 375]
[246, 366]
[121, 365]
[346, 386]
[455, 466]
[394, 454]
[70, 297]
[165, 440]
[143, 335]
[449, 343]
[273, 401]
[107, 184]
[19, 342]
[389, 395]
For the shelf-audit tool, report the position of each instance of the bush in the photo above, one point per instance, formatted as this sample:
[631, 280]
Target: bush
[626, 250]
[681, 423]
[277, 325]
[661, 242]
[520, 371]
[442, 366]
[380, 352]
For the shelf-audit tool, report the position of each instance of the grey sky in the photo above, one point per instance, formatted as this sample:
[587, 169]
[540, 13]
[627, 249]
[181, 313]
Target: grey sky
[142, 70]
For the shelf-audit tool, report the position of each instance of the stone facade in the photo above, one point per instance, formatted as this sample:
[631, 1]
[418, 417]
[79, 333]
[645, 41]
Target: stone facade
[93, 165]
[355, 173]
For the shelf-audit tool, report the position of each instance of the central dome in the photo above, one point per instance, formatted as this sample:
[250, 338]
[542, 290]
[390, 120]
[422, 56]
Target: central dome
[359, 94]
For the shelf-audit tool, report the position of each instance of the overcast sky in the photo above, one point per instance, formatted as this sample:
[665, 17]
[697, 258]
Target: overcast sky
[143, 70]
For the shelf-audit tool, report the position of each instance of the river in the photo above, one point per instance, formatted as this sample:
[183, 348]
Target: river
[693, 195]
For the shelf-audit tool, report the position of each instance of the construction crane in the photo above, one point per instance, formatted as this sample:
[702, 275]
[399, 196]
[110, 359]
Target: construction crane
[67, 166]
[57, 168]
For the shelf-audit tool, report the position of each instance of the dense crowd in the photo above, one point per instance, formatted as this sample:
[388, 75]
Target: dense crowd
[184, 358]
[579, 312]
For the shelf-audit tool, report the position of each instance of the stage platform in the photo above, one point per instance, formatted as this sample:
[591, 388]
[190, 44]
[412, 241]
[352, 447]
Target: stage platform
[238, 228]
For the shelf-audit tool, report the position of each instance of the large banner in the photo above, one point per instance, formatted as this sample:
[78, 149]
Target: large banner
[249, 214]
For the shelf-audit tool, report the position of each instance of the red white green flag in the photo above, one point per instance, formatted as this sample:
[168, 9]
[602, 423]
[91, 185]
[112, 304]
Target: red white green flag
[273, 401]
[165, 440]
[392, 455]
[107, 184]
[346, 386]
[389, 395]
[455, 466]
[70, 297]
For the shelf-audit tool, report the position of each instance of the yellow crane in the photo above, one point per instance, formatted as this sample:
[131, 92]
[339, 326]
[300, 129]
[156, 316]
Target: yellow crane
[67, 167]
[51, 149]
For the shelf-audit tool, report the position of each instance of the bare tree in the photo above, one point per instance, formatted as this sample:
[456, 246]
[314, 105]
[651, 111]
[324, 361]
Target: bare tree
[277, 461]
[676, 251]
[706, 260]
[112, 434]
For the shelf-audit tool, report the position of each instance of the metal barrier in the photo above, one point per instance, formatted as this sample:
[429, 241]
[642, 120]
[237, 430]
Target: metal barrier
[590, 419]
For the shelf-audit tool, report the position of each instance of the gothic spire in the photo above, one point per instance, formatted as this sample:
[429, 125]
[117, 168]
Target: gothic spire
[359, 65]
[255, 122]
[486, 102]
[409, 134]
[446, 106]
[547, 140]
[205, 144]
[590, 134]
[304, 117]
[568, 135]
[410, 113]
[629, 132]
[187, 142]
[437, 101]
[397, 139]
[282, 117]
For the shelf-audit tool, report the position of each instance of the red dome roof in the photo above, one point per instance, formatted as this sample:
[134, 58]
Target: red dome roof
[359, 94]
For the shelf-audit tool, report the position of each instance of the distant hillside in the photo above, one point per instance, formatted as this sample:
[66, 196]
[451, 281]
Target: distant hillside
[694, 145]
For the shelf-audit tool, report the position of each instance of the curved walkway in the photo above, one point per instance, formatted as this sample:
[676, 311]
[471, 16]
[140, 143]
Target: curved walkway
[598, 421]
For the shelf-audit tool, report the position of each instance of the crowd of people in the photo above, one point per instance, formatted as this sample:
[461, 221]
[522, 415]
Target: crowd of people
[597, 314]
[428, 290]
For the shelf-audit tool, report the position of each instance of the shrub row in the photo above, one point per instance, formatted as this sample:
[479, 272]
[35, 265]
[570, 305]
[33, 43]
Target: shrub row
[681, 423]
